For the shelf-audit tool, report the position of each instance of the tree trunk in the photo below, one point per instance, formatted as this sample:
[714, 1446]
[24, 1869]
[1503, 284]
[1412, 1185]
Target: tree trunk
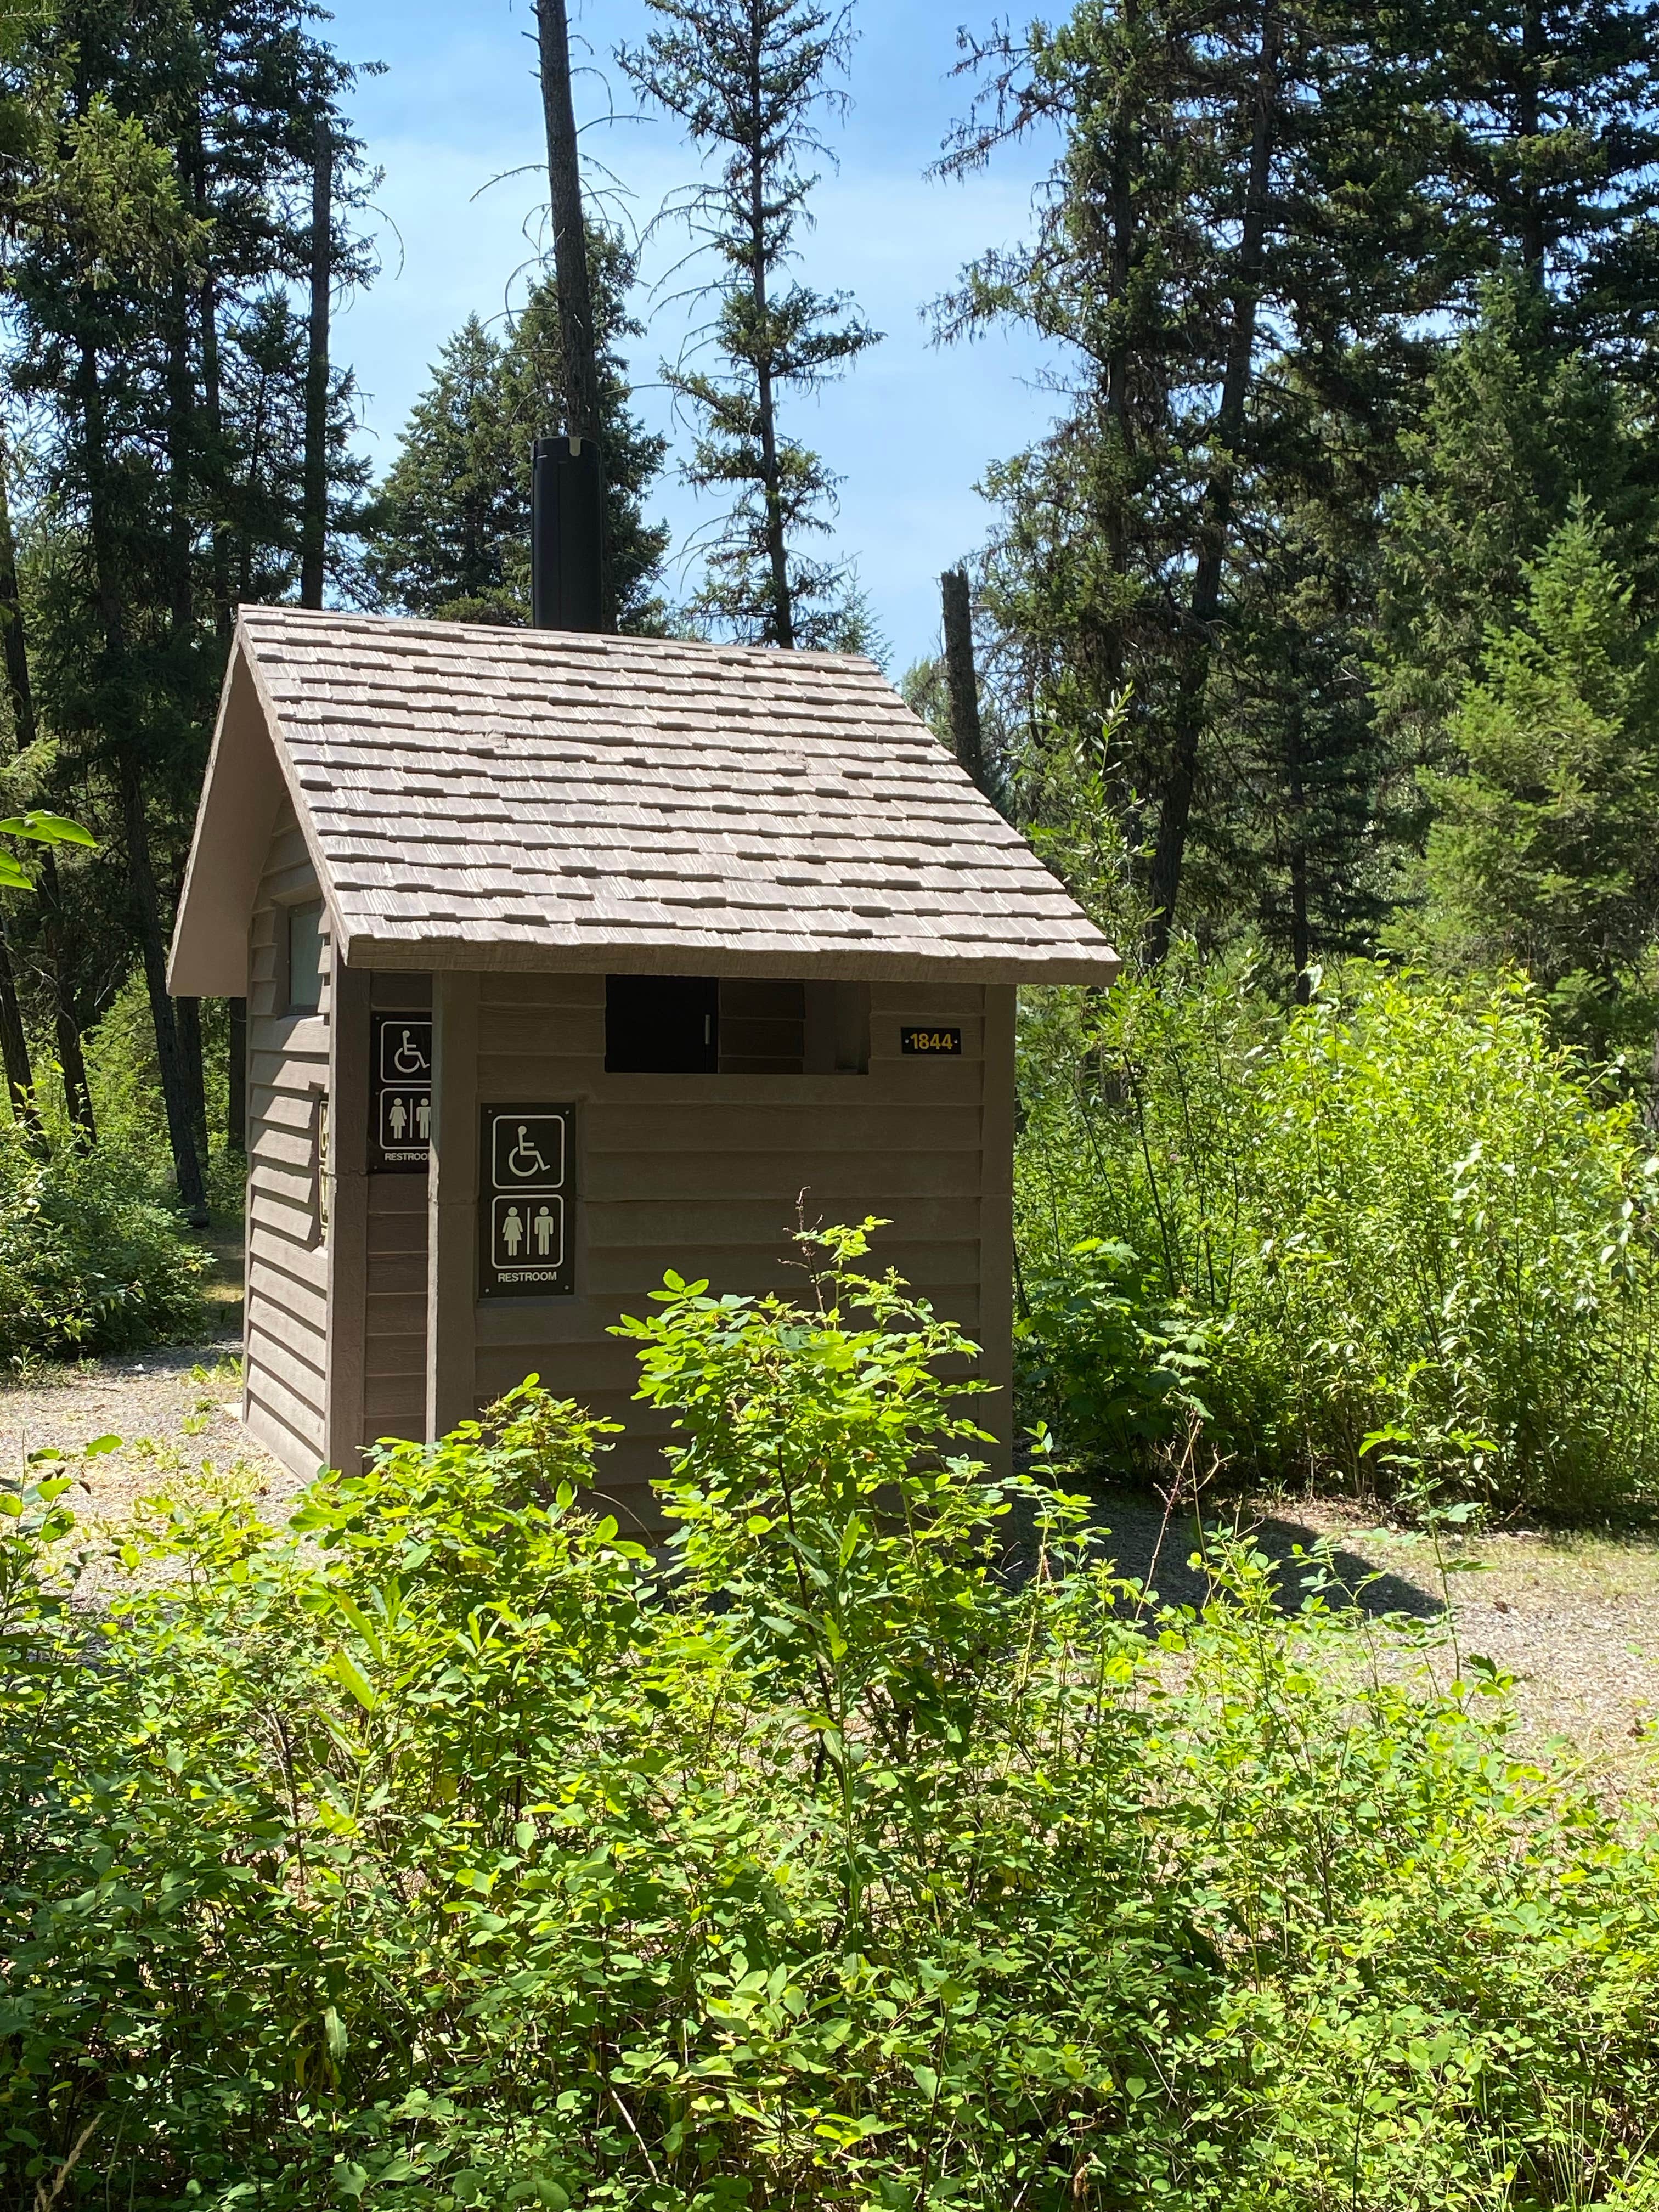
[1169, 847]
[962, 687]
[212, 404]
[777, 551]
[1530, 214]
[1301, 940]
[140, 873]
[15, 1049]
[313, 525]
[577, 338]
[181, 408]
[1124, 166]
[20, 692]
[579, 341]
[188, 1014]
[175, 1088]
[65, 1022]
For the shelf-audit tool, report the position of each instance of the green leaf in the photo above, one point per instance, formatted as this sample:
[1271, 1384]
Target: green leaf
[47, 829]
[353, 1680]
[359, 1619]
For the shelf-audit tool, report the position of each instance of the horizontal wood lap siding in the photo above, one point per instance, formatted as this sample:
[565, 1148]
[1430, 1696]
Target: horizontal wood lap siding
[284, 1389]
[705, 1175]
[394, 1348]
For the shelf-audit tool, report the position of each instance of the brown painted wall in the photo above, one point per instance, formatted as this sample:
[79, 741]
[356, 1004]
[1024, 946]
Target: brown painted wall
[285, 1340]
[698, 1173]
[702, 1173]
[394, 1376]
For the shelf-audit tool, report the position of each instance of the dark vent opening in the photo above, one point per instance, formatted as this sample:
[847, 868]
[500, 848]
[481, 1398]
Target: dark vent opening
[662, 1024]
[762, 1026]
[736, 1025]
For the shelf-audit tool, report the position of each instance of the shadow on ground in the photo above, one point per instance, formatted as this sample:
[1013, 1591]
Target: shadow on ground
[1151, 1546]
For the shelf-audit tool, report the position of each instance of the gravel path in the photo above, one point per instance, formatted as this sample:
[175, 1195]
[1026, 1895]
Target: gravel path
[175, 1412]
[1575, 1619]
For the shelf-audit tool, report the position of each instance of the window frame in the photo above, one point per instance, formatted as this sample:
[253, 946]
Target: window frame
[290, 911]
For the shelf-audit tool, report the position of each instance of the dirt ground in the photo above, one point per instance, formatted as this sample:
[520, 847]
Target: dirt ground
[175, 1412]
[1574, 1619]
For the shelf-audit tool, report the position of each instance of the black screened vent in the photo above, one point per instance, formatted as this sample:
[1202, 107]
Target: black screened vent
[662, 1024]
[735, 1025]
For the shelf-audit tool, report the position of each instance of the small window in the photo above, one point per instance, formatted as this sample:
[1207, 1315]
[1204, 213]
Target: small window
[662, 1024]
[305, 957]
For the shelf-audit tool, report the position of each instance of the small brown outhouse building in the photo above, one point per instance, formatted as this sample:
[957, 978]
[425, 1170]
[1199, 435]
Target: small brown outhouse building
[570, 959]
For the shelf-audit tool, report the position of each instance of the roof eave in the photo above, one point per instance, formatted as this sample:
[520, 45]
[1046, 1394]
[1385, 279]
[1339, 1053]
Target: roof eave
[875, 963]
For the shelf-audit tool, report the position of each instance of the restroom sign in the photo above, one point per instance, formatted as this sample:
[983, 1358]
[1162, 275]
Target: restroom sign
[400, 1093]
[525, 1202]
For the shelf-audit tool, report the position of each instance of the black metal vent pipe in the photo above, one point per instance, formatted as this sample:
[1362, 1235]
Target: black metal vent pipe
[567, 534]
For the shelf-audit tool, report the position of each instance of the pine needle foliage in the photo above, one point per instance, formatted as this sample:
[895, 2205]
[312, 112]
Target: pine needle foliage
[449, 535]
[1541, 854]
[747, 80]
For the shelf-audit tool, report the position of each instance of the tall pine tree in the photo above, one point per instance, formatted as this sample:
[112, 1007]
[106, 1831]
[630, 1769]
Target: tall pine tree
[1542, 851]
[156, 489]
[1258, 213]
[747, 79]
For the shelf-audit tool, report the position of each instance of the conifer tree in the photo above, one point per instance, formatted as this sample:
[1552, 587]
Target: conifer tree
[1198, 217]
[451, 534]
[1255, 214]
[1546, 147]
[1519, 426]
[149, 472]
[1542, 852]
[747, 79]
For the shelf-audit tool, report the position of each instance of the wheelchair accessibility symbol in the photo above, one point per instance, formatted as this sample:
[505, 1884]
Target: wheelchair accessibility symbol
[527, 1151]
[406, 1053]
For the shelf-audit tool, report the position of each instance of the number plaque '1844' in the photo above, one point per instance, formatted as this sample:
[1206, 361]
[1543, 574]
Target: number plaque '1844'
[526, 1202]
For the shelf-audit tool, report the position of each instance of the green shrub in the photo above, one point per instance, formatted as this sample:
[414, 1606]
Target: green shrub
[125, 1079]
[1398, 1217]
[448, 1850]
[88, 1263]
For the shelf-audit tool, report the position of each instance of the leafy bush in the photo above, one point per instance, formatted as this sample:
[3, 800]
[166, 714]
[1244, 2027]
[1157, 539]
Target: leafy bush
[1398, 1217]
[1112, 1368]
[88, 1263]
[449, 1851]
[125, 1079]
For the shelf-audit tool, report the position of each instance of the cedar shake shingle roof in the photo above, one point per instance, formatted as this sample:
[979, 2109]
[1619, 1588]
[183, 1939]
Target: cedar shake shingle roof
[488, 797]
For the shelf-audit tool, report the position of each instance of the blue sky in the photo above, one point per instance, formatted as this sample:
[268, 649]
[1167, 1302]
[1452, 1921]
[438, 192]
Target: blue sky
[911, 428]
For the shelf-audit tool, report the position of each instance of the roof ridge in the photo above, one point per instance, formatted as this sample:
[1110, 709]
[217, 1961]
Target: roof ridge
[600, 643]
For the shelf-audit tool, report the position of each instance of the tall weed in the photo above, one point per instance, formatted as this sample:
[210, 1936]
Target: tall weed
[1397, 1218]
